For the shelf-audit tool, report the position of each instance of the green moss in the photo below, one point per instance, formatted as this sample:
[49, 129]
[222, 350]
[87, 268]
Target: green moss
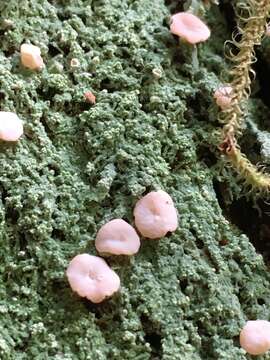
[153, 126]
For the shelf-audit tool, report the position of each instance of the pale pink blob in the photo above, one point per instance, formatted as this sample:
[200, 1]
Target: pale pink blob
[30, 57]
[90, 276]
[90, 97]
[267, 32]
[255, 337]
[155, 215]
[74, 63]
[117, 237]
[11, 127]
[223, 96]
[189, 27]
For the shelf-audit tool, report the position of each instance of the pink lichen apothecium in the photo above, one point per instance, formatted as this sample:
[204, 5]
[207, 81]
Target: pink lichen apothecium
[30, 57]
[223, 96]
[155, 215]
[90, 277]
[255, 337]
[117, 237]
[189, 28]
[11, 126]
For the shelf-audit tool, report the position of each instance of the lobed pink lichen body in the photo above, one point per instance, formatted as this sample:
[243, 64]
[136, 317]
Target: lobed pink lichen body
[255, 337]
[189, 27]
[90, 277]
[90, 97]
[11, 126]
[117, 237]
[30, 57]
[223, 96]
[155, 215]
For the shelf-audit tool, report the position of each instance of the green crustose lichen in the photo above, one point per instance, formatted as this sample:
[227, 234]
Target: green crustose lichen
[184, 297]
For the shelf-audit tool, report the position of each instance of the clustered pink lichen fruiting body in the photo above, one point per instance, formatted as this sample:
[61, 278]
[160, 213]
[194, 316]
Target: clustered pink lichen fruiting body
[155, 215]
[11, 127]
[255, 337]
[189, 28]
[117, 237]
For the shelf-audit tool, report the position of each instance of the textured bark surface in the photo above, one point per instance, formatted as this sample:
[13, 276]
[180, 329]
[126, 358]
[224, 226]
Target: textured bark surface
[184, 297]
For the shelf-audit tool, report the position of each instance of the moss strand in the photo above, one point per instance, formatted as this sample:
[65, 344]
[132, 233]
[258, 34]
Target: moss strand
[252, 17]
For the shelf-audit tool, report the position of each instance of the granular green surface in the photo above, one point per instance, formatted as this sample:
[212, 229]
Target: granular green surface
[184, 297]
